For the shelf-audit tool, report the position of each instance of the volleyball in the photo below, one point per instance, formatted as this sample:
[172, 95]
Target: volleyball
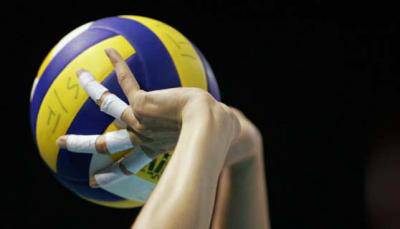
[159, 56]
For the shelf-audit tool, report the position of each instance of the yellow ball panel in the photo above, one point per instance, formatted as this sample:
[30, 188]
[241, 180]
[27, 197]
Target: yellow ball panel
[56, 115]
[187, 62]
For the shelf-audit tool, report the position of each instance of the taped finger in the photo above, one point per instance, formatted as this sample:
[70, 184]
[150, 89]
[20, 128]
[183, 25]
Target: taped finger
[109, 103]
[81, 143]
[111, 142]
[126, 79]
[126, 166]
[112, 105]
[120, 124]
[117, 141]
[90, 85]
[107, 176]
[135, 161]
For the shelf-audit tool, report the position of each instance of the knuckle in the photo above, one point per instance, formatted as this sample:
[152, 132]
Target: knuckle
[226, 117]
[194, 90]
[123, 76]
[236, 124]
[102, 98]
[139, 102]
[134, 125]
[237, 111]
[203, 96]
[225, 107]
[101, 145]
[223, 113]
[138, 127]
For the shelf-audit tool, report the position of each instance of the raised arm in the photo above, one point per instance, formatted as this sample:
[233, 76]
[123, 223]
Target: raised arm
[241, 198]
[200, 130]
[185, 194]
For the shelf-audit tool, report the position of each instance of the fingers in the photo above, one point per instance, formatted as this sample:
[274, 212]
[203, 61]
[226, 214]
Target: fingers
[128, 165]
[90, 85]
[162, 104]
[120, 124]
[168, 103]
[129, 118]
[108, 102]
[78, 143]
[107, 176]
[117, 141]
[125, 76]
[109, 143]
[112, 105]
[136, 160]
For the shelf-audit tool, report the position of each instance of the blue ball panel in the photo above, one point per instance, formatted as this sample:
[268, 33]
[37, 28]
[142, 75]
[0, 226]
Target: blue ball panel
[83, 189]
[70, 51]
[211, 81]
[90, 120]
[159, 69]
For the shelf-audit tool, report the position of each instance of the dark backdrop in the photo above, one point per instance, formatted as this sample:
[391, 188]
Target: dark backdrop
[315, 78]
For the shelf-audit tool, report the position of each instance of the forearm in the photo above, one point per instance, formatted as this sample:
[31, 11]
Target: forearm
[185, 194]
[241, 199]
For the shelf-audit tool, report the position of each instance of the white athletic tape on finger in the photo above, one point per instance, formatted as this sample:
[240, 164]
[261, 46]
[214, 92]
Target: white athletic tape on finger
[114, 106]
[109, 176]
[130, 187]
[91, 86]
[136, 160]
[82, 143]
[117, 141]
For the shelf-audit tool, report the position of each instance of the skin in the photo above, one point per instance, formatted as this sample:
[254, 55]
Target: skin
[241, 200]
[215, 177]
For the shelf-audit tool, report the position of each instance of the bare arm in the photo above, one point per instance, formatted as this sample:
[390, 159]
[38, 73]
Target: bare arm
[201, 131]
[241, 200]
[187, 201]
[185, 194]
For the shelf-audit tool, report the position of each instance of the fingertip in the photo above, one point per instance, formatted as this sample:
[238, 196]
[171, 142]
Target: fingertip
[101, 145]
[108, 51]
[84, 76]
[80, 71]
[92, 182]
[113, 55]
[62, 141]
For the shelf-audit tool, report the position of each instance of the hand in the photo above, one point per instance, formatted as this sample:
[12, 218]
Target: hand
[153, 120]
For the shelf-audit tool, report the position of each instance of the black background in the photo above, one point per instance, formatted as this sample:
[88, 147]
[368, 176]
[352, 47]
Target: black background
[316, 78]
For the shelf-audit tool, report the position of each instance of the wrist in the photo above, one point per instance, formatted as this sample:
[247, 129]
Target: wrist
[211, 123]
[214, 115]
[247, 144]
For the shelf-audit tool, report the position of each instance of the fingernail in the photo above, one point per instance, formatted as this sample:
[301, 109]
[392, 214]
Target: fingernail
[109, 51]
[93, 183]
[112, 55]
[108, 175]
[80, 71]
[62, 141]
